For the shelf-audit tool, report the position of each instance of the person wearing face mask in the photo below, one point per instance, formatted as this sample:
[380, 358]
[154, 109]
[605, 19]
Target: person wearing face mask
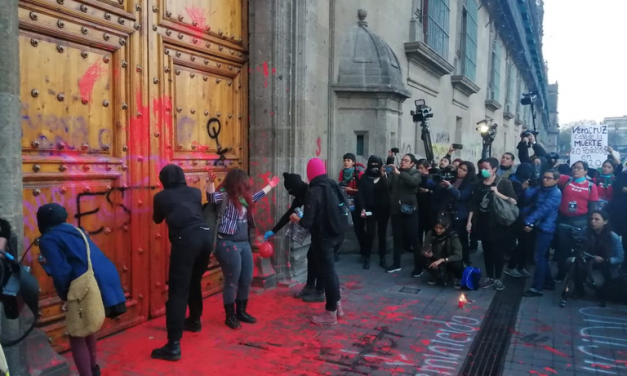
[373, 206]
[605, 183]
[482, 221]
[403, 185]
[579, 197]
[506, 169]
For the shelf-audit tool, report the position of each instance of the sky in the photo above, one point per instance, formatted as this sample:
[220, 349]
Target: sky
[585, 45]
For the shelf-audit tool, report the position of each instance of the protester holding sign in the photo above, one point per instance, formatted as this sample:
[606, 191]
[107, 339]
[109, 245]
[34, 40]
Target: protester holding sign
[589, 144]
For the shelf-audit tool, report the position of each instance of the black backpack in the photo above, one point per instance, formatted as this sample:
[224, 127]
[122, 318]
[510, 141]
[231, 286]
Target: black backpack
[339, 217]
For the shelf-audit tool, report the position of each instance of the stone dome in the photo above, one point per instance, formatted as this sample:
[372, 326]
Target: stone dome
[367, 63]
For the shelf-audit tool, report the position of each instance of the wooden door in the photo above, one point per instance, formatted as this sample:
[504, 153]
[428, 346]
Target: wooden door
[198, 98]
[111, 91]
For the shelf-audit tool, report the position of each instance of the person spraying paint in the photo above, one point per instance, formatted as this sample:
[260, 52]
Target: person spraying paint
[181, 207]
[233, 248]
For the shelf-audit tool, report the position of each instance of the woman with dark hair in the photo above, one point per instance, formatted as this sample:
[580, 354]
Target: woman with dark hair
[442, 253]
[481, 220]
[605, 182]
[579, 197]
[233, 248]
[607, 250]
[459, 192]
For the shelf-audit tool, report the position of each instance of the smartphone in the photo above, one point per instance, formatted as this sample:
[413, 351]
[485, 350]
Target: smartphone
[458, 146]
[389, 169]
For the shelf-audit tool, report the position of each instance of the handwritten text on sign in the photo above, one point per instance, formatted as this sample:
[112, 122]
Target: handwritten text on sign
[588, 143]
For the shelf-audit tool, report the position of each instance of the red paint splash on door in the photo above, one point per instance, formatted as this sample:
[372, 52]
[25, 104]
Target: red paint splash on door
[88, 80]
[199, 20]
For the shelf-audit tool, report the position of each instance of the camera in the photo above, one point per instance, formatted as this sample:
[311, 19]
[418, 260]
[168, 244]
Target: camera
[423, 112]
[487, 129]
[440, 175]
[395, 150]
[528, 98]
[527, 133]
[19, 287]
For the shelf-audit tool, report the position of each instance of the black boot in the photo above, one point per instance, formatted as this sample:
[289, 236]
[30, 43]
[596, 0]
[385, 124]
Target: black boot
[231, 320]
[367, 263]
[241, 312]
[192, 325]
[96, 371]
[171, 351]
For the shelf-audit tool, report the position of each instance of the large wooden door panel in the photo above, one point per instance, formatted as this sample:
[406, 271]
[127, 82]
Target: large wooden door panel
[76, 67]
[198, 83]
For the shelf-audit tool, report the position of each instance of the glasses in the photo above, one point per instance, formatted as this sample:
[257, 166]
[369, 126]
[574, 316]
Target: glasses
[548, 178]
[577, 168]
[406, 160]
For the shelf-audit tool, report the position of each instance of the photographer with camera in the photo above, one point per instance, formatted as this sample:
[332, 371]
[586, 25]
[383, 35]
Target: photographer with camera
[602, 250]
[528, 140]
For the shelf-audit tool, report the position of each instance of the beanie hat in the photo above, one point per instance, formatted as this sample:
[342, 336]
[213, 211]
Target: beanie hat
[350, 156]
[50, 215]
[315, 168]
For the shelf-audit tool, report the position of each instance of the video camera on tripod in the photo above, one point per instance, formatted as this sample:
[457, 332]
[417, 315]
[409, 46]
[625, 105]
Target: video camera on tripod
[579, 260]
[421, 116]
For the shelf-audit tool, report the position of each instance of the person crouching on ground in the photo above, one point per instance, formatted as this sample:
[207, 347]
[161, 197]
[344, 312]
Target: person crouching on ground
[314, 289]
[321, 217]
[65, 252]
[233, 248]
[442, 252]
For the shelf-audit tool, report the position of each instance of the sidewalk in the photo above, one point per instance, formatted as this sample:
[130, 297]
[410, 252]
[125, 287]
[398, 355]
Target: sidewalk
[394, 325]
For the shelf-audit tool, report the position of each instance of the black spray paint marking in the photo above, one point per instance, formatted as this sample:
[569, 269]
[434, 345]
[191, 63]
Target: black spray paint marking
[214, 133]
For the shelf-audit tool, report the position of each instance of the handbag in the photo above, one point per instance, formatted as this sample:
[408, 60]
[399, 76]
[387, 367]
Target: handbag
[505, 213]
[407, 209]
[85, 310]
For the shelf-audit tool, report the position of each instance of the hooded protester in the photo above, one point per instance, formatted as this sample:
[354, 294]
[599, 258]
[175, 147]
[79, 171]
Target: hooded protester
[374, 210]
[181, 208]
[65, 259]
[442, 253]
[314, 290]
[325, 237]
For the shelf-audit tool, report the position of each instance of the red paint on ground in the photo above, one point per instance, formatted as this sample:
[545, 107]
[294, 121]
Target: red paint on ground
[555, 351]
[88, 80]
[550, 370]
[596, 365]
[265, 74]
[425, 342]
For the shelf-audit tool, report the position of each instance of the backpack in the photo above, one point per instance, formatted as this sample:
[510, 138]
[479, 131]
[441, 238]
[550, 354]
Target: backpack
[590, 184]
[213, 214]
[339, 218]
[505, 213]
[470, 278]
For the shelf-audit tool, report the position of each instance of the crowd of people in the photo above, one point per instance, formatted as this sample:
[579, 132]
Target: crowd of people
[517, 211]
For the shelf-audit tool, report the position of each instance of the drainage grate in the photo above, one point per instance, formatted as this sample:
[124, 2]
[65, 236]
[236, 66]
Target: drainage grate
[489, 349]
[409, 290]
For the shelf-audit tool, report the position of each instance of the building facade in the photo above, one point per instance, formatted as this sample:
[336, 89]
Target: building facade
[111, 91]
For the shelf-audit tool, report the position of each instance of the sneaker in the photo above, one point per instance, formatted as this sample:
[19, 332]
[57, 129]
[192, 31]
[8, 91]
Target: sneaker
[417, 273]
[531, 293]
[512, 273]
[524, 273]
[431, 281]
[315, 297]
[394, 269]
[488, 282]
[498, 285]
[326, 318]
[305, 291]
[457, 283]
[340, 311]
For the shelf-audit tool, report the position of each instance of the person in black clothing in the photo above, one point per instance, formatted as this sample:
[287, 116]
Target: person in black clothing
[295, 186]
[325, 238]
[181, 207]
[374, 210]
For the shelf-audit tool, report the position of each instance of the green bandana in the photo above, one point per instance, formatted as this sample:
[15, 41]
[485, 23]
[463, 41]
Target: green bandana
[241, 199]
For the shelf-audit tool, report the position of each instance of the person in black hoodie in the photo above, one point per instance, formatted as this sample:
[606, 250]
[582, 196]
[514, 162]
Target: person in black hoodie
[181, 207]
[320, 218]
[313, 290]
[374, 210]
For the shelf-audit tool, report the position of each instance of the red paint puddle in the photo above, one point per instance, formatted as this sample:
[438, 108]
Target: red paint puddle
[555, 351]
[550, 370]
[88, 80]
[537, 373]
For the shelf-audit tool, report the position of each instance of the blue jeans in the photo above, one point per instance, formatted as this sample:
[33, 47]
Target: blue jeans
[542, 276]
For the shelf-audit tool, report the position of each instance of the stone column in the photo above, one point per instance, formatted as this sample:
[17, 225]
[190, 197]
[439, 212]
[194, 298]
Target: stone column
[33, 355]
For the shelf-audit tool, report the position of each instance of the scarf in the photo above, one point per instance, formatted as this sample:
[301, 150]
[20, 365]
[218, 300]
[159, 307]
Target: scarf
[348, 175]
[241, 200]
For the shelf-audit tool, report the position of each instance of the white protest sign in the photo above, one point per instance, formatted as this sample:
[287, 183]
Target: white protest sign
[588, 143]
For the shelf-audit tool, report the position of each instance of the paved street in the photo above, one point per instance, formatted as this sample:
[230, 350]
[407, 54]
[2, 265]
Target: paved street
[394, 325]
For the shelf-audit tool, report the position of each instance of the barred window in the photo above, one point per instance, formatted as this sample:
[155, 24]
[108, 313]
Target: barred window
[436, 13]
[495, 81]
[469, 39]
